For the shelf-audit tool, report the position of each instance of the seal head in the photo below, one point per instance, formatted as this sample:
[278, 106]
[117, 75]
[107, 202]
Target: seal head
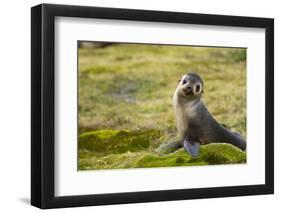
[190, 86]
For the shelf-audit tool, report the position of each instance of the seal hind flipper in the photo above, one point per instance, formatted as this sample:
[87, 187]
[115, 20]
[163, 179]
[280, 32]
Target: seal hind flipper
[191, 147]
[231, 137]
[214, 132]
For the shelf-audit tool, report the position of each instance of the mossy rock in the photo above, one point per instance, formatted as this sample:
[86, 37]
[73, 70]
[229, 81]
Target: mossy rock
[212, 154]
[117, 141]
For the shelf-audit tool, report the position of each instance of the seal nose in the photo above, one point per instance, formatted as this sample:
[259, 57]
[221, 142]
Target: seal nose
[188, 89]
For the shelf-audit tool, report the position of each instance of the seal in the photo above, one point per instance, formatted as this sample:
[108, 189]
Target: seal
[195, 123]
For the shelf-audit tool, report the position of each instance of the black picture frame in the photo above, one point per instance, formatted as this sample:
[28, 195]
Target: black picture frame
[43, 102]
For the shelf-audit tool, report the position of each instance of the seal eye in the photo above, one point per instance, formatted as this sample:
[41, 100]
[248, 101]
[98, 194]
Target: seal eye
[184, 82]
[197, 89]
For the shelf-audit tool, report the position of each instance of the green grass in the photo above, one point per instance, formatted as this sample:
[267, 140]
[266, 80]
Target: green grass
[125, 103]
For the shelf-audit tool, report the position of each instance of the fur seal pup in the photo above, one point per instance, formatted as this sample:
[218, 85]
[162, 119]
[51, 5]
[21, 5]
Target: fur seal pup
[195, 123]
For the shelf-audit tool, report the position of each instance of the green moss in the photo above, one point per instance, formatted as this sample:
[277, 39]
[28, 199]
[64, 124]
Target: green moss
[117, 141]
[212, 154]
[220, 154]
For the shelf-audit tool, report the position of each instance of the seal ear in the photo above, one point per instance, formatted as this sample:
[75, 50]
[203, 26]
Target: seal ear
[202, 91]
[179, 80]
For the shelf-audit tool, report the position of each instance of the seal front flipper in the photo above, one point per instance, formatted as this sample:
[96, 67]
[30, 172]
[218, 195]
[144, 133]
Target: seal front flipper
[191, 147]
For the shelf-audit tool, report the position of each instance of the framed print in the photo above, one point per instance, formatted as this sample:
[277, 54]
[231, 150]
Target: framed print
[139, 106]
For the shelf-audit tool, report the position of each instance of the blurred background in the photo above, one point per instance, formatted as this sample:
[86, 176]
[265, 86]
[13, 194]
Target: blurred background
[125, 102]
